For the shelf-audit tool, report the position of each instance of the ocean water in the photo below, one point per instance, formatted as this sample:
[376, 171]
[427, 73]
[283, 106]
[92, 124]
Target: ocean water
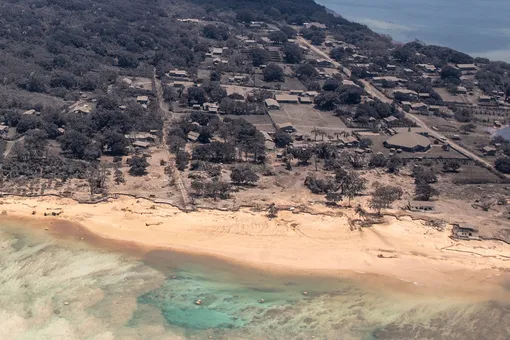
[480, 28]
[54, 287]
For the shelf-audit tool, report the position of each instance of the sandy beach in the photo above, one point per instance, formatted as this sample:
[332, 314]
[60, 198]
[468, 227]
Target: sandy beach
[301, 243]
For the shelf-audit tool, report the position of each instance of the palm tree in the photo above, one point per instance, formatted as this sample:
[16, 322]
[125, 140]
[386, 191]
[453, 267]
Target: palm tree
[322, 133]
[315, 132]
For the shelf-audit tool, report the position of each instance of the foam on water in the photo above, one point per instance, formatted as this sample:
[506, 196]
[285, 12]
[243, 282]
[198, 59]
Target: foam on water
[56, 289]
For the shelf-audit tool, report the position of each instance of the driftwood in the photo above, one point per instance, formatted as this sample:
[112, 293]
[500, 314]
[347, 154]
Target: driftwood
[155, 223]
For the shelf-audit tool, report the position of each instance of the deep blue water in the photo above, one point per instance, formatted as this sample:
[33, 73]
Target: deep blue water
[480, 28]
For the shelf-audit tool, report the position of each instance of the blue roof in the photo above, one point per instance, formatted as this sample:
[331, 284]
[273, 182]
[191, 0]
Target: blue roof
[504, 132]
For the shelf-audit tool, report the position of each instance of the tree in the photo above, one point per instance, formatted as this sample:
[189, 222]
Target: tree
[306, 72]
[212, 31]
[333, 198]
[118, 176]
[116, 143]
[175, 143]
[215, 75]
[243, 174]
[292, 54]
[337, 53]
[384, 196]
[503, 165]
[378, 160]
[196, 95]
[349, 94]
[272, 211]
[331, 84]
[75, 143]
[181, 160]
[393, 164]
[449, 72]
[278, 37]
[259, 56]
[273, 72]
[138, 166]
[425, 191]
[327, 100]
[468, 128]
[352, 185]
[365, 143]
[35, 143]
[289, 31]
[451, 165]
[282, 139]
[424, 175]
[303, 155]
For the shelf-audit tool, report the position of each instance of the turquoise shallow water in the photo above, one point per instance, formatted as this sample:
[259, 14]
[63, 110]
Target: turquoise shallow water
[53, 288]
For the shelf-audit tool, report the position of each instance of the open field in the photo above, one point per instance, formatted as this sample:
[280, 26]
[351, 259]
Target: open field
[262, 122]
[305, 118]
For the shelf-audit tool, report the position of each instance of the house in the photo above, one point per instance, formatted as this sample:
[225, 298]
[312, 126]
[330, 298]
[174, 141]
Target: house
[269, 145]
[142, 100]
[296, 92]
[424, 95]
[314, 24]
[420, 107]
[381, 80]
[183, 84]
[83, 108]
[390, 67]
[237, 79]
[328, 43]
[461, 90]
[217, 51]
[177, 73]
[434, 108]
[489, 150]
[467, 67]
[286, 98]
[61, 131]
[407, 105]
[141, 145]
[347, 82]
[141, 137]
[250, 42]
[390, 119]
[484, 99]
[465, 231]
[266, 135]
[323, 62]
[272, 104]
[193, 136]
[4, 129]
[349, 141]
[305, 100]
[405, 92]
[428, 68]
[287, 127]
[418, 206]
[312, 94]
[408, 141]
[31, 112]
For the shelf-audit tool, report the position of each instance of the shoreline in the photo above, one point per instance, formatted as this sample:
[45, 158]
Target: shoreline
[303, 244]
